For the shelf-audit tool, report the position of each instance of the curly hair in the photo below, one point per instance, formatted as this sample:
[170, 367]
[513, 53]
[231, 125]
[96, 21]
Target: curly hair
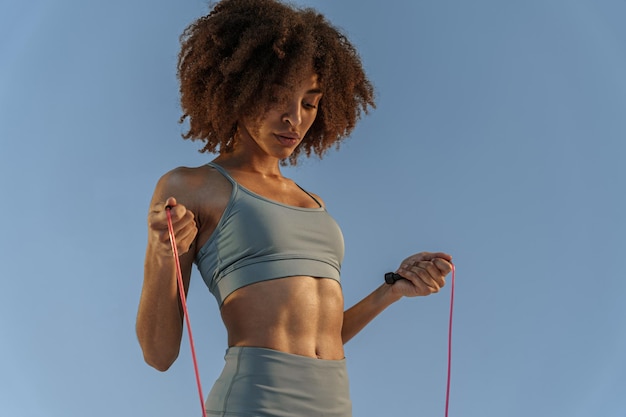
[232, 60]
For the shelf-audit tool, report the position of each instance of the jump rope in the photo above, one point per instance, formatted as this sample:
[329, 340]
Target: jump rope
[390, 278]
[183, 301]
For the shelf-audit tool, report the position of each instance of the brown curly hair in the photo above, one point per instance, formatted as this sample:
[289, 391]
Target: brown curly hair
[232, 60]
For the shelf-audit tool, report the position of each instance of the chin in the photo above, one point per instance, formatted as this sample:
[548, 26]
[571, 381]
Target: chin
[284, 153]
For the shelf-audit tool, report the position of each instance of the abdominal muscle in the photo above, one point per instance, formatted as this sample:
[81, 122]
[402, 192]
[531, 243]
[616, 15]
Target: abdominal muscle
[299, 315]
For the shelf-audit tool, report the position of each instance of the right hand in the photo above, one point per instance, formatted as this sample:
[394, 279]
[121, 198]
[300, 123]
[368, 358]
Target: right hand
[185, 229]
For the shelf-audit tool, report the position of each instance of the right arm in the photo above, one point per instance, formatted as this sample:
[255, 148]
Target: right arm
[160, 317]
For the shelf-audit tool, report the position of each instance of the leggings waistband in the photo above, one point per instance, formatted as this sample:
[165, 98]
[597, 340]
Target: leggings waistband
[260, 382]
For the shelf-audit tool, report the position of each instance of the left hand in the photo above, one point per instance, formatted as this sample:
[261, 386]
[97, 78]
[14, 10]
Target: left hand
[424, 274]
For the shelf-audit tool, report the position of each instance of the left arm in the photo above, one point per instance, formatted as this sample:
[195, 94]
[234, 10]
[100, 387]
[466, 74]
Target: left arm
[424, 273]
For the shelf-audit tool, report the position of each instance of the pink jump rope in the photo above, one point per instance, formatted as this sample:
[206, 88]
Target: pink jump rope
[390, 278]
[183, 301]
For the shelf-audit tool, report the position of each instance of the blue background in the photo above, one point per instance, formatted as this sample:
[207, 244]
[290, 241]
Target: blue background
[499, 137]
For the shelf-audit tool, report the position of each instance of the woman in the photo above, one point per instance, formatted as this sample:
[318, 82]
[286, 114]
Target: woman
[261, 84]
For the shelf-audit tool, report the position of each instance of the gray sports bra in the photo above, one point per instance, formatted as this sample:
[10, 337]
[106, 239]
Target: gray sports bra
[258, 239]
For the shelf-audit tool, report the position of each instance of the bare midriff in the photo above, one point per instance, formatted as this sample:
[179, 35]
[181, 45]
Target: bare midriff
[299, 315]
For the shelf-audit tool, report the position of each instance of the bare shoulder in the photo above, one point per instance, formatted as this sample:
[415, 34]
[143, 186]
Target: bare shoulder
[195, 187]
[318, 198]
[202, 190]
[184, 177]
[315, 196]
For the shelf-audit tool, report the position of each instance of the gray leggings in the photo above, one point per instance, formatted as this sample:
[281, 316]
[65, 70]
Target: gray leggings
[259, 382]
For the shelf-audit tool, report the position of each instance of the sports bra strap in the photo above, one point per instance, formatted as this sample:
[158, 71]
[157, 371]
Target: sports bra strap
[224, 173]
[236, 184]
[310, 195]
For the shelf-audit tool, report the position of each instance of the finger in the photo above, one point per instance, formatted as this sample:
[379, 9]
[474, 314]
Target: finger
[188, 230]
[429, 267]
[157, 221]
[170, 202]
[183, 237]
[435, 278]
[186, 237]
[429, 256]
[417, 285]
[440, 279]
[421, 278]
[438, 269]
[186, 222]
[421, 288]
[180, 214]
[443, 265]
[429, 281]
[162, 205]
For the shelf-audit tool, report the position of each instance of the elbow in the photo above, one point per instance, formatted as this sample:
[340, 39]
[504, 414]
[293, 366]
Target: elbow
[160, 366]
[160, 362]
[158, 355]
[159, 350]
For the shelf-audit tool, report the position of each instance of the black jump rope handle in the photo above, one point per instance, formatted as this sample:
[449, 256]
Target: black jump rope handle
[392, 277]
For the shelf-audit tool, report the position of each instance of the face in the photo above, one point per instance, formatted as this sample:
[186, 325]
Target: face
[278, 131]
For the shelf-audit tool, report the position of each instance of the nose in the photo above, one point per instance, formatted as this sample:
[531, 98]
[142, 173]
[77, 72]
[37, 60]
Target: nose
[293, 114]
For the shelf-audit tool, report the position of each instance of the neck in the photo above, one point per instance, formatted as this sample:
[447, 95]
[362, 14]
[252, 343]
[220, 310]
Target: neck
[247, 162]
[247, 156]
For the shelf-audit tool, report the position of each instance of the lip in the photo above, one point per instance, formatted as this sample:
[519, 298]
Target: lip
[288, 135]
[287, 139]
